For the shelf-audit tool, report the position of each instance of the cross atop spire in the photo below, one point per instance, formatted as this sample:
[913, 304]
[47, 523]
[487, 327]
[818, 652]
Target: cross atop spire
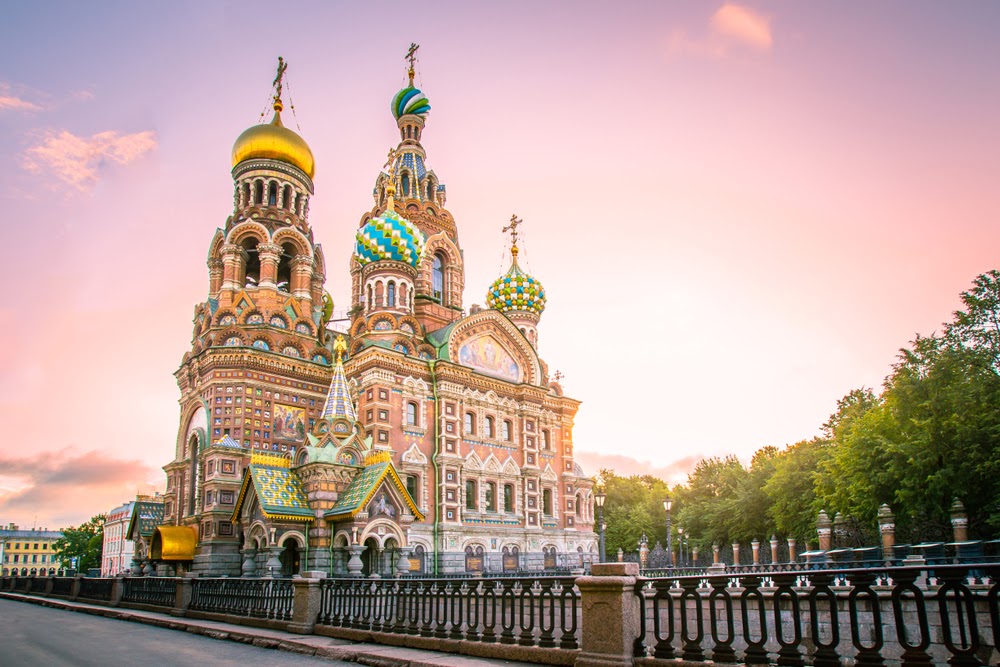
[512, 228]
[390, 162]
[282, 66]
[411, 55]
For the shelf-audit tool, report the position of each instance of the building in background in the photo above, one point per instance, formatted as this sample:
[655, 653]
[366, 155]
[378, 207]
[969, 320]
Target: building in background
[425, 438]
[28, 552]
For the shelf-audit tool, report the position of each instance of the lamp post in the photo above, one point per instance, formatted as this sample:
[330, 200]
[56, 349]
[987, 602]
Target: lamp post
[667, 504]
[599, 498]
[680, 547]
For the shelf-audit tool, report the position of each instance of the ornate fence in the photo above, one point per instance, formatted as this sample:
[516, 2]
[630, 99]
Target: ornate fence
[158, 591]
[822, 617]
[95, 589]
[257, 598]
[62, 586]
[538, 611]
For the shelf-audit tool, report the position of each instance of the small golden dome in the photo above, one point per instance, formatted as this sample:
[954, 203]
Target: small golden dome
[274, 141]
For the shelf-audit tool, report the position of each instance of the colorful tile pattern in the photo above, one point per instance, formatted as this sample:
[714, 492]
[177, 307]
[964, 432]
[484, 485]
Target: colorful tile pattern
[280, 491]
[145, 518]
[516, 291]
[338, 399]
[389, 236]
[410, 101]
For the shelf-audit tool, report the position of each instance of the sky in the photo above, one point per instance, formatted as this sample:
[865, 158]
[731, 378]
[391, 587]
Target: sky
[740, 211]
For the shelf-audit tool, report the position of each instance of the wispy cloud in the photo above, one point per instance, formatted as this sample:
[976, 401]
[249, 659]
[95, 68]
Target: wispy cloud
[731, 28]
[68, 487]
[626, 466]
[77, 160]
[11, 101]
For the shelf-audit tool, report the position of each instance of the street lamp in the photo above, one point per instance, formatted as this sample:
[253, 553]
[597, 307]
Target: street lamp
[680, 538]
[599, 498]
[667, 504]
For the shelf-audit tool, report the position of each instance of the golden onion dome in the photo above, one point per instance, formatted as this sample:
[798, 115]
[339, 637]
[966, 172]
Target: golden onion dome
[274, 141]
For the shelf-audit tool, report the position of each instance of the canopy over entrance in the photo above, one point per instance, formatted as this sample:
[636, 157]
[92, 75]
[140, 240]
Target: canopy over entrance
[173, 543]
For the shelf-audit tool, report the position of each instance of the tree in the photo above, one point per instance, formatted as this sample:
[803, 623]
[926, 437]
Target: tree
[634, 507]
[792, 488]
[85, 543]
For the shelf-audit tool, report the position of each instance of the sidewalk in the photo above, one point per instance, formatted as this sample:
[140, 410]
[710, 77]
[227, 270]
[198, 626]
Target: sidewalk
[375, 655]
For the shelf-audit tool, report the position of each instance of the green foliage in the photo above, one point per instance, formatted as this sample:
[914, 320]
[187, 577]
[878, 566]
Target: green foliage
[84, 542]
[932, 434]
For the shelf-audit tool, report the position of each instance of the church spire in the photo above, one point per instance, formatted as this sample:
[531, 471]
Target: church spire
[338, 400]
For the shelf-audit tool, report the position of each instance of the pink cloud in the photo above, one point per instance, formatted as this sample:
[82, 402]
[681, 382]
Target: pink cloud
[11, 102]
[732, 26]
[77, 160]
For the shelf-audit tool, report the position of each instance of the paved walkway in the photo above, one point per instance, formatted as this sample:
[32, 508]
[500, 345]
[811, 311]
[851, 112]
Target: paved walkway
[313, 645]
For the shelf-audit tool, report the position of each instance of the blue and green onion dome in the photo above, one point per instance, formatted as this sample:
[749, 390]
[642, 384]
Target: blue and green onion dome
[516, 291]
[389, 236]
[410, 101]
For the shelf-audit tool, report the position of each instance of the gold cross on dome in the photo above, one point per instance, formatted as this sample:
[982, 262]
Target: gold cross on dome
[390, 162]
[411, 55]
[282, 66]
[558, 376]
[512, 228]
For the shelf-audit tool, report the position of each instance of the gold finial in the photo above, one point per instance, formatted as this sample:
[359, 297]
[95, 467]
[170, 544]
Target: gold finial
[390, 188]
[282, 66]
[512, 228]
[411, 55]
[340, 347]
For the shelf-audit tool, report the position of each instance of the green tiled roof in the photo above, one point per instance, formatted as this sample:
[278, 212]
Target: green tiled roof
[280, 491]
[146, 516]
[359, 490]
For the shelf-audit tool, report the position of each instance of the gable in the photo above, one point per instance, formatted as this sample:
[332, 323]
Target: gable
[489, 343]
[277, 490]
[364, 489]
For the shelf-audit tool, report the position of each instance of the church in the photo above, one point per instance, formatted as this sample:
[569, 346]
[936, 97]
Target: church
[417, 437]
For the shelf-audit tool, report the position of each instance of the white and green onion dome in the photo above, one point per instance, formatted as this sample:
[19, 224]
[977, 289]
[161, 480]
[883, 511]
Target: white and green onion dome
[410, 101]
[389, 236]
[516, 290]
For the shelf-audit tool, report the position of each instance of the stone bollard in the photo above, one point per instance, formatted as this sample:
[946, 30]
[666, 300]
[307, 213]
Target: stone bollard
[736, 553]
[887, 529]
[791, 550]
[117, 590]
[183, 599]
[959, 522]
[774, 549]
[755, 546]
[74, 591]
[306, 602]
[839, 531]
[694, 556]
[824, 530]
[621, 555]
[49, 585]
[611, 619]
[715, 553]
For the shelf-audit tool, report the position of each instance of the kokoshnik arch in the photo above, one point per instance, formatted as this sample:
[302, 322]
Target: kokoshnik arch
[425, 439]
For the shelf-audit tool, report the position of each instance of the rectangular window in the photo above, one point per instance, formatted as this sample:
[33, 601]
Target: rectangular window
[508, 498]
[471, 499]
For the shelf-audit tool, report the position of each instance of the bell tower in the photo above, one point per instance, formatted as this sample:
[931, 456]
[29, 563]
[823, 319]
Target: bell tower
[259, 365]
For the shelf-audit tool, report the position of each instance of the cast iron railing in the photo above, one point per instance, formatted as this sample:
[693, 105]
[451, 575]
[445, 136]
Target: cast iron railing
[62, 586]
[536, 611]
[95, 589]
[38, 584]
[256, 598]
[825, 617]
[159, 591]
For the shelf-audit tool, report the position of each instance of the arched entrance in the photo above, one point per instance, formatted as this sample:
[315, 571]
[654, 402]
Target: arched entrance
[290, 559]
[370, 557]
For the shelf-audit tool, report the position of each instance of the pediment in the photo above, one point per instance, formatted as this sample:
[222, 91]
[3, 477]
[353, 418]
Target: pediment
[489, 343]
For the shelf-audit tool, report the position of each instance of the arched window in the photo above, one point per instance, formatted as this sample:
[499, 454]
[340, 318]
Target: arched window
[390, 299]
[285, 267]
[246, 194]
[411, 486]
[491, 497]
[411, 414]
[488, 431]
[547, 502]
[470, 423]
[430, 190]
[471, 496]
[258, 196]
[437, 277]
[272, 194]
[406, 184]
[505, 430]
[508, 498]
[287, 203]
[251, 274]
[579, 506]
[546, 444]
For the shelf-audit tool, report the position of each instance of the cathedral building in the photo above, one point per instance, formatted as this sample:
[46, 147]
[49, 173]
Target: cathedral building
[426, 438]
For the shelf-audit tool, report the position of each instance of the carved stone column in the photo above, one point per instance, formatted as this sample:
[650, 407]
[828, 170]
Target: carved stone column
[215, 272]
[269, 255]
[959, 522]
[403, 562]
[823, 530]
[715, 553]
[887, 529]
[791, 550]
[249, 568]
[755, 546]
[232, 257]
[354, 565]
[300, 286]
[273, 564]
[774, 548]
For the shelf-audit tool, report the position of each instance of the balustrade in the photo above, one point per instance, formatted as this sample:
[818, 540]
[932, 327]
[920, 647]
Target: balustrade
[159, 591]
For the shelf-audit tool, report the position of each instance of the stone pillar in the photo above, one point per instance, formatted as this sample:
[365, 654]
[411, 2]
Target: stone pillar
[887, 529]
[791, 550]
[183, 599]
[736, 553]
[823, 530]
[643, 554]
[231, 258]
[273, 565]
[755, 545]
[300, 286]
[306, 603]
[215, 272]
[269, 254]
[715, 553]
[354, 565]
[621, 556]
[610, 615]
[403, 562]
[249, 568]
[74, 591]
[839, 531]
[694, 556]
[117, 590]
[959, 522]
[774, 548]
